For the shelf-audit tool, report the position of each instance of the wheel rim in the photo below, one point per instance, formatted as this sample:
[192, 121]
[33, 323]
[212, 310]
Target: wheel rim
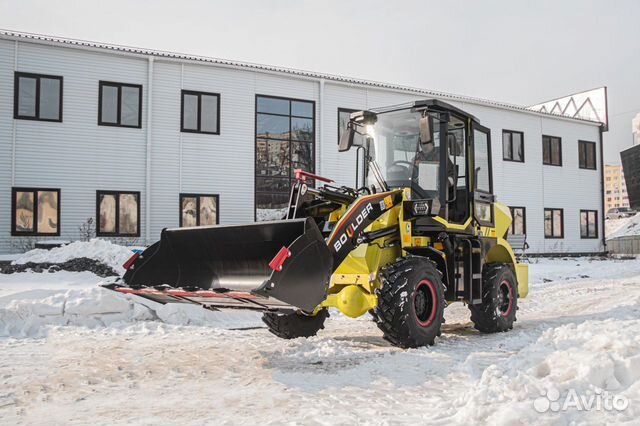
[505, 298]
[425, 303]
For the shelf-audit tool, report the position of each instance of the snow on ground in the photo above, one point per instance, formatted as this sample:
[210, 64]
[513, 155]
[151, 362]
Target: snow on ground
[102, 250]
[578, 331]
[623, 227]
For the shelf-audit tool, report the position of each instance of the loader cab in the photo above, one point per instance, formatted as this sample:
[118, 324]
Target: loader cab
[437, 150]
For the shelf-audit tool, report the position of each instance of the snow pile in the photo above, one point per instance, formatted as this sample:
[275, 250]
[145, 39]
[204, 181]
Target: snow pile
[30, 313]
[591, 360]
[265, 215]
[103, 251]
[546, 272]
[90, 308]
[625, 227]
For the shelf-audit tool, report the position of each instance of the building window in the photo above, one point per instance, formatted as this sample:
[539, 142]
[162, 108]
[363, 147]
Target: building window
[588, 224]
[35, 212]
[518, 224]
[552, 150]
[120, 104]
[37, 97]
[587, 155]
[118, 214]
[200, 112]
[553, 223]
[513, 146]
[198, 209]
[285, 139]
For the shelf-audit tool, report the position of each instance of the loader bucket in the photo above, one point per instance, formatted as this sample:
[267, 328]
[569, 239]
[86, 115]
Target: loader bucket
[286, 260]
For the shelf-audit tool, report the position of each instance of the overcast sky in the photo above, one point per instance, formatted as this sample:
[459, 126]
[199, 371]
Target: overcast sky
[520, 52]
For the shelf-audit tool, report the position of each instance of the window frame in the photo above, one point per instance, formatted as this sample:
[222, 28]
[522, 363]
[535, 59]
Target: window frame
[197, 197]
[119, 86]
[313, 144]
[551, 150]
[524, 219]
[199, 94]
[556, 237]
[511, 132]
[117, 233]
[34, 191]
[37, 77]
[595, 162]
[588, 237]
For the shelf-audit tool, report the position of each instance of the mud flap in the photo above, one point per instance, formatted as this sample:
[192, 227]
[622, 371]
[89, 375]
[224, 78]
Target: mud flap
[236, 259]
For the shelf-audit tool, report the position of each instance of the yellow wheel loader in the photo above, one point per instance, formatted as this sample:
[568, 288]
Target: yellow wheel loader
[420, 229]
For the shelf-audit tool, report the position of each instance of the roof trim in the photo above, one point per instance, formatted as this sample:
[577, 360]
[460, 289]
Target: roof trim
[136, 51]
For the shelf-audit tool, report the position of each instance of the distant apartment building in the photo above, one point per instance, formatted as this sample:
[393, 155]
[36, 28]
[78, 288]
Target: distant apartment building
[615, 188]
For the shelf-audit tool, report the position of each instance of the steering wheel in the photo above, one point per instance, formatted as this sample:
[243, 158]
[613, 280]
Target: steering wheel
[400, 162]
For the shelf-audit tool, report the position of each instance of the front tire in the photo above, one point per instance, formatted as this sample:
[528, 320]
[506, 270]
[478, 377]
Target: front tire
[499, 301]
[293, 325]
[411, 302]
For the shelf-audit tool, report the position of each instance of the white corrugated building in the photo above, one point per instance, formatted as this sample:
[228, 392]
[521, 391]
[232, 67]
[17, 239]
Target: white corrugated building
[142, 140]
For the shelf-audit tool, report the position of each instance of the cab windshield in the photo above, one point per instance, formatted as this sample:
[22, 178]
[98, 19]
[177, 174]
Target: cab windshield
[405, 162]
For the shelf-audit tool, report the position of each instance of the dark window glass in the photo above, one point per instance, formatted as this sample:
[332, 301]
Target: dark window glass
[27, 97]
[587, 155]
[198, 209]
[200, 112]
[50, 98]
[518, 224]
[513, 145]
[120, 104]
[118, 214]
[552, 150]
[553, 223]
[588, 224]
[130, 104]
[190, 112]
[35, 211]
[273, 126]
[301, 156]
[273, 105]
[209, 113]
[481, 149]
[272, 158]
[302, 109]
[37, 97]
[285, 141]
[302, 129]
[109, 104]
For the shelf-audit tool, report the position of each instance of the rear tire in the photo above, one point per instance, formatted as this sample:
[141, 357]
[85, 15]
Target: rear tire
[411, 302]
[294, 325]
[499, 301]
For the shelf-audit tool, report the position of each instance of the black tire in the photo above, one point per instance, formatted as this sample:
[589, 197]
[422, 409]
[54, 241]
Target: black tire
[411, 302]
[294, 325]
[499, 301]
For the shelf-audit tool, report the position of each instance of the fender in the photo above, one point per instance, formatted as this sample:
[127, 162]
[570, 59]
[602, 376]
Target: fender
[358, 216]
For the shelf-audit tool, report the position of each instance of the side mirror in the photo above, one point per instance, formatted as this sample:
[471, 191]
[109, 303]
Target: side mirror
[426, 129]
[346, 140]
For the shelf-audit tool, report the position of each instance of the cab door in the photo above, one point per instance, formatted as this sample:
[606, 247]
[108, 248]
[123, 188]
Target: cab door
[482, 176]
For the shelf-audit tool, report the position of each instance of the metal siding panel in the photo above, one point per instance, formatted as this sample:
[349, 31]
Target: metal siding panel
[77, 155]
[223, 164]
[165, 153]
[6, 130]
